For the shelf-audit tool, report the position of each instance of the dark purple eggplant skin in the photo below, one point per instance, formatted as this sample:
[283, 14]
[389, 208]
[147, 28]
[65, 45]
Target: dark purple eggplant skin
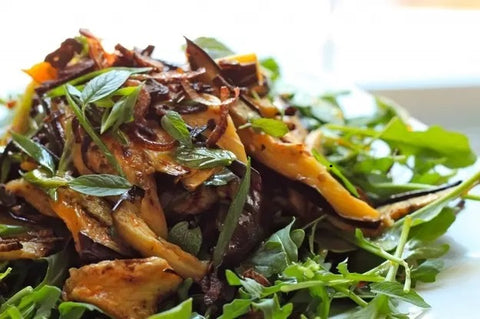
[91, 252]
[253, 224]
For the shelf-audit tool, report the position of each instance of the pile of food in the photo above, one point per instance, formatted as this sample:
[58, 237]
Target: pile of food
[134, 188]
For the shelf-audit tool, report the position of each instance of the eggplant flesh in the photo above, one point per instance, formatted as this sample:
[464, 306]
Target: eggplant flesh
[289, 159]
[109, 285]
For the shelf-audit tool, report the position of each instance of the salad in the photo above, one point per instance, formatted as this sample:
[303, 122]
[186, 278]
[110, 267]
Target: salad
[135, 188]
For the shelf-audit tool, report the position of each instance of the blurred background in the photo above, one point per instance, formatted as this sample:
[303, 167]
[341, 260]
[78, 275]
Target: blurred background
[424, 54]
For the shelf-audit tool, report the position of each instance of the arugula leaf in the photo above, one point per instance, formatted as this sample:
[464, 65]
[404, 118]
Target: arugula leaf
[122, 111]
[75, 310]
[203, 158]
[272, 67]
[103, 85]
[36, 151]
[280, 250]
[30, 302]
[57, 268]
[395, 290]
[454, 147]
[87, 126]
[213, 47]
[181, 311]
[100, 185]
[273, 127]
[235, 309]
[231, 219]
[272, 310]
[173, 123]
[189, 239]
[427, 271]
[330, 167]
[435, 228]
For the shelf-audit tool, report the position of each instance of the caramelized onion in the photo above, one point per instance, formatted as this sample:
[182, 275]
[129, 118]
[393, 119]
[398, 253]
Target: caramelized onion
[170, 76]
[221, 126]
[136, 135]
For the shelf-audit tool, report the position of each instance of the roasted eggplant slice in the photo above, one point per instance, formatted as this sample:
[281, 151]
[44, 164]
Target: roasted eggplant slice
[32, 195]
[133, 229]
[289, 159]
[81, 224]
[124, 289]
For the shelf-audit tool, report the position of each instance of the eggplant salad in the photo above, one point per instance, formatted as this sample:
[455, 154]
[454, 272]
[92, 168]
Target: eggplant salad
[131, 187]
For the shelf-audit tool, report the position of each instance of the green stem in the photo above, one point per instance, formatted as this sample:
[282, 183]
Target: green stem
[398, 254]
[471, 197]
[87, 126]
[359, 301]
[458, 191]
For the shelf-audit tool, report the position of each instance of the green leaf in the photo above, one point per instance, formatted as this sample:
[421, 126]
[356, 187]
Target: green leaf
[435, 228]
[12, 230]
[103, 85]
[189, 239]
[420, 250]
[60, 90]
[5, 273]
[181, 311]
[232, 217]
[272, 310]
[173, 123]
[235, 309]
[66, 159]
[273, 127]
[223, 177]
[122, 111]
[87, 126]
[57, 268]
[100, 185]
[435, 141]
[39, 178]
[272, 67]
[203, 158]
[330, 167]
[280, 250]
[427, 271]
[36, 151]
[213, 47]
[232, 278]
[395, 290]
[75, 310]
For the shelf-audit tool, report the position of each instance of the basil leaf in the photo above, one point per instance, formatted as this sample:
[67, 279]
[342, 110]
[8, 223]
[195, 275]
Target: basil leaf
[202, 157]
[348, 185]
[39, 178]
[122, 111]
[278, 251]
[224, 177]
[395, 290]
[173, 123]
[75, 310]
[60, 90]
[236, 308]
[87, 126]
[100, 185]
[181, 311]
[36, 151]
[231, 219]
[190, 239]
[273, 127]
[427, 271]
[103, 85]
[272, 67]
[213, 47]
